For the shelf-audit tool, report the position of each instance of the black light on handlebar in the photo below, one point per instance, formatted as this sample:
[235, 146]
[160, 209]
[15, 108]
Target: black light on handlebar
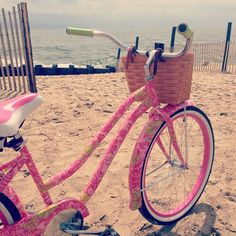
[184, 30]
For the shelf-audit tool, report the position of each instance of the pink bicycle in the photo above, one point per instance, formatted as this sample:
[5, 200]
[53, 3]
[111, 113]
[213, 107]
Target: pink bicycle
[169, 168]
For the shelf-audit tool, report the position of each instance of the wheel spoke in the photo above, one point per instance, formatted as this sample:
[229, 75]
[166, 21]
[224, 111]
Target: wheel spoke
[157, 181]
[156, 168]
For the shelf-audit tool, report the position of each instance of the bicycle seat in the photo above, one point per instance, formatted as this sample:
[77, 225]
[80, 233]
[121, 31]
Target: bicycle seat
[14, 111]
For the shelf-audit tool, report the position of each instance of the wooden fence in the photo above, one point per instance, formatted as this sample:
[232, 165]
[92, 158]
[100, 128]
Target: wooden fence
[209, 57]
[16, 59]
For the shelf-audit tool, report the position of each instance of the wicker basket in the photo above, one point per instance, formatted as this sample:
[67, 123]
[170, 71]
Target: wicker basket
[173, 78]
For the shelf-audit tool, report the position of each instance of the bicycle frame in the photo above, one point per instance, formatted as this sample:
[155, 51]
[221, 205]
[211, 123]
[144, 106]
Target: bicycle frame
[147, 96]
[25, 157]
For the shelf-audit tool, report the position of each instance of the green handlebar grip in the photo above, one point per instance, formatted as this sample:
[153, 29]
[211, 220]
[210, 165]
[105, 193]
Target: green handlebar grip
[80, 32]
[184, 30]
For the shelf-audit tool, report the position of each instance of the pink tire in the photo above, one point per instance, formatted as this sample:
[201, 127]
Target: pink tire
[169, 191]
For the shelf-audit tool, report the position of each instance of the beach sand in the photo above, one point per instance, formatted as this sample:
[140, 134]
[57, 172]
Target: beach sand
[76, 107]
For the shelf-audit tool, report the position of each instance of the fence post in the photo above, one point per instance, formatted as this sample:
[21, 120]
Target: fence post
[137, 42]
[159, 45]
[172, 42]
[118, 53]
[28, 47]
[118, 60]
[226, 51]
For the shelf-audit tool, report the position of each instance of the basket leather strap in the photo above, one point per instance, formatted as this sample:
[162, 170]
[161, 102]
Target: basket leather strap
[130, 56]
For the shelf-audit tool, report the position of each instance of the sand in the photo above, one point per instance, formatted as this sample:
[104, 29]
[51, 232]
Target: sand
[76, 107]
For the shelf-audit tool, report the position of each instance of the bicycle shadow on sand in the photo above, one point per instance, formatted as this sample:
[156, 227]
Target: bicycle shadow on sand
[190, 224]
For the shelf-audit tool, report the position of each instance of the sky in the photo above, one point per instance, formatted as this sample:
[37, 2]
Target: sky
[127, 13]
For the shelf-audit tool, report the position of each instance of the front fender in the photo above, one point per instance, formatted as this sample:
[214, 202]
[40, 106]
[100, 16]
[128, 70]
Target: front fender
[140, 150]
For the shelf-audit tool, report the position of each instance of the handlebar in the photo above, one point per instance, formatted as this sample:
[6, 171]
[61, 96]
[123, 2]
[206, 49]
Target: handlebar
[92, 33]
[182, 29]
[80, 32]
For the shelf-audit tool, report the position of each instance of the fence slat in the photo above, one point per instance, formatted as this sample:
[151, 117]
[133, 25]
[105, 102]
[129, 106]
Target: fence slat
[215, 50]
[5, 57]
[15, 54]
[203, 57]
[213, 62]
[3, 73]
[208, 57]
[29, 53]
[23, 44]
[19, 49]
[9, 49]
[218, 52]
[198, 52]
[233, 53]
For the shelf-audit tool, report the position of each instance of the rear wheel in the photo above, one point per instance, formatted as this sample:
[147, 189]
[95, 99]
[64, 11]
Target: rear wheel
[9, 213]
[168, 189]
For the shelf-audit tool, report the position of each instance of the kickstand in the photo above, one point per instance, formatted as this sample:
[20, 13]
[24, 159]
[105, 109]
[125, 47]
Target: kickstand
[70, 228]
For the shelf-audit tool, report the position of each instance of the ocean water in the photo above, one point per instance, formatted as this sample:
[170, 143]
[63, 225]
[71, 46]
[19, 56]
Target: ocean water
[54, 46]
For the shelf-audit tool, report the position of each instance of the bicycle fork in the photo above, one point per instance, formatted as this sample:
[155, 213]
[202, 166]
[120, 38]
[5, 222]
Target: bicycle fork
[173, 139]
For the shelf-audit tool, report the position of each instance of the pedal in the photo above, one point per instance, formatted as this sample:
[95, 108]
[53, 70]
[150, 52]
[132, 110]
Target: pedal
[109, 231]
[74, 226]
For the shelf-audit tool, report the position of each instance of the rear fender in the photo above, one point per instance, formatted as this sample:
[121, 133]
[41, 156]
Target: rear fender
[11, 194]
[36, 223]
[140, 150]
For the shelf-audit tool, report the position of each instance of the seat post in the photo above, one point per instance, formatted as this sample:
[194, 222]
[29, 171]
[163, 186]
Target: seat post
[16, 142]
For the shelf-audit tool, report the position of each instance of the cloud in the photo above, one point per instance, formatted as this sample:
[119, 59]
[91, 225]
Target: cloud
[126, 13]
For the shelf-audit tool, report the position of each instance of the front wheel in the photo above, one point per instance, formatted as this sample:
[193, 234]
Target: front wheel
[169, 190]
